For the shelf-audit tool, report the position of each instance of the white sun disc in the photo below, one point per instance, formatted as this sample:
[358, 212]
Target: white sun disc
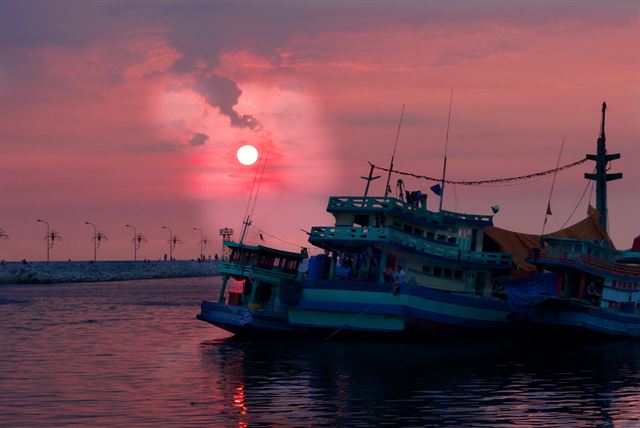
[247, 155]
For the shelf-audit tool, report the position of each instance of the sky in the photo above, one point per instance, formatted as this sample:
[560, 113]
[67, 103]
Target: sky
[131, 113]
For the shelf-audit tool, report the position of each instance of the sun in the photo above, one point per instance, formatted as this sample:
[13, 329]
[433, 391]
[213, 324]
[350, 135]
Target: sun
[247, 155]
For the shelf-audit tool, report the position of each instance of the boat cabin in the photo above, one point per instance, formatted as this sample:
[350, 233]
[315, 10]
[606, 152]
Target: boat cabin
[373, 235]
[264, 257]
[258, 270]
[593, 272]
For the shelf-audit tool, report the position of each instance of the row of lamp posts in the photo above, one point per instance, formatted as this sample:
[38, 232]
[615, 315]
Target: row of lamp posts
[137, 240]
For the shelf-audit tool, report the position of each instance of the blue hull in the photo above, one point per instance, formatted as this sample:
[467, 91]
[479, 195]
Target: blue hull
[411, 311]
[242, 321]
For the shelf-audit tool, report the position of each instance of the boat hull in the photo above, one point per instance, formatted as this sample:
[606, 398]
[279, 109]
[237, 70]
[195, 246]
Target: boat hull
[244, 322]
[558, 316]
[409, 311]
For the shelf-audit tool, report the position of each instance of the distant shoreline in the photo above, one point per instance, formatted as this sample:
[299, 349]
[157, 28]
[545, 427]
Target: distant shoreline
[66, 272]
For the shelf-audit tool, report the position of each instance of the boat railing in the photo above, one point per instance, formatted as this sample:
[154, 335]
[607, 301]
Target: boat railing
[231, 268]
[382, 234]
[581, 247]
[368, 204]
[479, 218]
[563, 255]
[371, 203]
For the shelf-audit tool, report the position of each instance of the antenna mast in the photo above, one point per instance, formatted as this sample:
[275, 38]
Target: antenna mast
[601, 177]
[446, 147]
[386, 189]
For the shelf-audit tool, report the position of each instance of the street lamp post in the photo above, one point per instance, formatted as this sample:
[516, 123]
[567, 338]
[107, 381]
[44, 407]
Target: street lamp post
[95, 239]
[48, 237]
[203, 242]
[170, 242]
[135, 242]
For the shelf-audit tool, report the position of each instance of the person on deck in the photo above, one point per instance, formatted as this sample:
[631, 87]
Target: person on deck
[399, 278]
[592, 293]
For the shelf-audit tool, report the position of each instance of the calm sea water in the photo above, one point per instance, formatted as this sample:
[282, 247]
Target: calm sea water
[131, 353]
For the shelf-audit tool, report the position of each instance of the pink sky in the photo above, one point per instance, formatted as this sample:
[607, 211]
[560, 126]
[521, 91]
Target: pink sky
[121, 113]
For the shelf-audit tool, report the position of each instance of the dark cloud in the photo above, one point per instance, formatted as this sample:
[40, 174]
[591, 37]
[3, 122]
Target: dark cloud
[198, 139]
[223, 93]
[203, 30]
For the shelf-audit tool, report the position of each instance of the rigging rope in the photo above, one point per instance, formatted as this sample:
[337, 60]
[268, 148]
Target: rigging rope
[589, 183]
[262, 231]
[490, 181]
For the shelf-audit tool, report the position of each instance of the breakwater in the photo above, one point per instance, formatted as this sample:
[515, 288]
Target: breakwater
[58, 272]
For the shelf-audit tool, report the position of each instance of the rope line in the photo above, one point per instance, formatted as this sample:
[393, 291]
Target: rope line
[589, 183]
[490, 181]
[262, 231]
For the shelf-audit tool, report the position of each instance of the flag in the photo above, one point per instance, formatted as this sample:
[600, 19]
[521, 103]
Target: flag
[436, 189]
[549, 209]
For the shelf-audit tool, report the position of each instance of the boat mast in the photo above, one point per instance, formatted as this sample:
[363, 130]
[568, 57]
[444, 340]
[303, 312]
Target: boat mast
[369, 179]
[446, 146]
[600, 176]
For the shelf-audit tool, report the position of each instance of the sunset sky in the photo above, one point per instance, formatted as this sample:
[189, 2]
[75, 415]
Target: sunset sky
[131, 113]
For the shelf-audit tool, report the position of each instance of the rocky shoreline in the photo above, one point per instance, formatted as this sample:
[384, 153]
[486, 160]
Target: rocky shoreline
[61, 272]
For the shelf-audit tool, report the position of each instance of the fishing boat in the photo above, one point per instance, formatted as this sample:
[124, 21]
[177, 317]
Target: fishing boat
[251, 299]
[597, 288]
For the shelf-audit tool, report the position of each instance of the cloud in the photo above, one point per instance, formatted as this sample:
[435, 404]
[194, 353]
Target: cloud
[223, 93]
[198, 139]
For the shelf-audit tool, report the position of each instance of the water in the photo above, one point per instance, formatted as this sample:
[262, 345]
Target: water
[131, 353]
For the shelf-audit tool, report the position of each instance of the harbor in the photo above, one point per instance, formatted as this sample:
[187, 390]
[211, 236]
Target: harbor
[298, 213]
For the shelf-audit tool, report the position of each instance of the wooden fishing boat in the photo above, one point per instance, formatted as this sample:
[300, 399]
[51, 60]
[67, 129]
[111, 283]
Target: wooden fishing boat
[255, 305]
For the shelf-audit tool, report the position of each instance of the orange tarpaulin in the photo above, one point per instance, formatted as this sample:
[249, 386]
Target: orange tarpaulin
[519, 244]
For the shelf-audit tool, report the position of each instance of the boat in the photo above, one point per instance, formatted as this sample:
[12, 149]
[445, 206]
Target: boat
[597, 287]
[449, 276]
[597, 290]
[251, 299]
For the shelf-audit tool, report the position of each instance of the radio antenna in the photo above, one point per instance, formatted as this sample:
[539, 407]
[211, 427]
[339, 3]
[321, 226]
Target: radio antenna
[446, 147]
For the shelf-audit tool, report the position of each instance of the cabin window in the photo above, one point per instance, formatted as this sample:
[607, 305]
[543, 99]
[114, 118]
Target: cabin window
[430, 235]
[426, 269]
[361, 219]
[397, 224]
[441, 237]
[418, 231]
[448, 273]
[457, 274]
[407, 228]
[437, 271]
[451, 239]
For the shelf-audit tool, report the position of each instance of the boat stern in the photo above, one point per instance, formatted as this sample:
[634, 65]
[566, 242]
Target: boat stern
[227, 317]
